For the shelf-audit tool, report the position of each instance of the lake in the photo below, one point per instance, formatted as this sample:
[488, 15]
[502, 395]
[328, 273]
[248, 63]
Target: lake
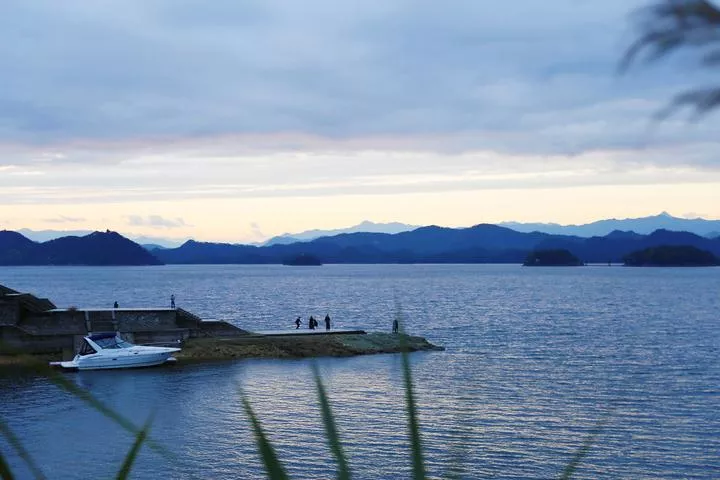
[536, 359]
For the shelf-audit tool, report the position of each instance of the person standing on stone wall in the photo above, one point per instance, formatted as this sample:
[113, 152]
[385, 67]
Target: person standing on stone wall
[172, 301]
[115, 305]
[327, 321]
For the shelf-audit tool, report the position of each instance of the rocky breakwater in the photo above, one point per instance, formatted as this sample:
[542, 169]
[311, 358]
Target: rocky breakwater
[299, 346]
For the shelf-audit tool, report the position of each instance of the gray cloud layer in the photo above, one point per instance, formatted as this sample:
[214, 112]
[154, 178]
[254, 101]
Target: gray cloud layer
[522, 76]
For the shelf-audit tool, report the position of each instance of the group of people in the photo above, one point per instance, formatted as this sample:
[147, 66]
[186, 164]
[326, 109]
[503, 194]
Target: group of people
[312, 323]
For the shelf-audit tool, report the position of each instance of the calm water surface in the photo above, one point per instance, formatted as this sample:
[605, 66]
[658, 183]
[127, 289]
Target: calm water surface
[535, 359]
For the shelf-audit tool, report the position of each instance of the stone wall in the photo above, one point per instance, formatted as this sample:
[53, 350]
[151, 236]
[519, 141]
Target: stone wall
[161, 337]
[55, 323]
[56, 331]
[14, 339]
[145, 320]
[217, 329]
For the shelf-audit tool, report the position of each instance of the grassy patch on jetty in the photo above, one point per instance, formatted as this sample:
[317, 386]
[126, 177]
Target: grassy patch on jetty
[301, 346]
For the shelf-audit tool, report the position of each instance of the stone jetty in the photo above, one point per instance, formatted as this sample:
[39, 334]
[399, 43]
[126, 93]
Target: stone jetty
[36, 326]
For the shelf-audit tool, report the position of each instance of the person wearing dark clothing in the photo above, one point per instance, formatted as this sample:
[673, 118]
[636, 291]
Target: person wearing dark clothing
[297, 323]
[311, 323]
[115, 305]
[327, 322]
[396, 326]
[172, 301]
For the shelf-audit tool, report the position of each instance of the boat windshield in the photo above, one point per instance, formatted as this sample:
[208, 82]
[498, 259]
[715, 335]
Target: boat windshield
[112, 342]
[86, 349]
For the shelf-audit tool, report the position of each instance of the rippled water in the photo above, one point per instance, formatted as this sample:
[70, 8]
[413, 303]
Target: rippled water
[535, 359]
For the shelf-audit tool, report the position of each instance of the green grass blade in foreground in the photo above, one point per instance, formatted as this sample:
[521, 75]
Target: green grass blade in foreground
[584, 449]
[134, 450]
[331, 429]
[62, 382]
[418, 462]
[15, 442]
[5, 472]
[273, 467]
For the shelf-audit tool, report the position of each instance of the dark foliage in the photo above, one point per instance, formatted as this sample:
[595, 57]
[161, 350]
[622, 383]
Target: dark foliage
[671, 256]
[688, 25]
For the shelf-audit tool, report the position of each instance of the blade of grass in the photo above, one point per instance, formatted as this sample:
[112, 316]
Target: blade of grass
[5, 472]
[15, 442]
[584, 449]
[413, 425]
[330, 428]
[273, 467]
[60, 381]
[418, 462]
[63, 383]
[134, 450]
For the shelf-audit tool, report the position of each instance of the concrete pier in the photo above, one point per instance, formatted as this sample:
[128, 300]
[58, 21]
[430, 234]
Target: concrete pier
[32, 325]
[29, 324]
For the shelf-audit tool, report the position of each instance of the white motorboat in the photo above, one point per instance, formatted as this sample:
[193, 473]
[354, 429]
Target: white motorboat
[108, 350]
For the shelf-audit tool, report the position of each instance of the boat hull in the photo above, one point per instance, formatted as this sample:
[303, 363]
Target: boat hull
[107, 351]
[108, 362]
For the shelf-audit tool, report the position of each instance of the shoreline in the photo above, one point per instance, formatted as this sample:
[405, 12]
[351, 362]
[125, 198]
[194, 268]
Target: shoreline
[289, 346]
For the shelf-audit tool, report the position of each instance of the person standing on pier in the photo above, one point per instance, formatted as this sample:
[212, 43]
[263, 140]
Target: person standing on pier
[396, 326]
[311, 323]
[297, 323]
[172, 301]
[115, 305]
[327, 321]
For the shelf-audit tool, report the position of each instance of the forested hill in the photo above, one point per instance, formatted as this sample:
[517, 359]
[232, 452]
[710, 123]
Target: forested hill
[97, 248]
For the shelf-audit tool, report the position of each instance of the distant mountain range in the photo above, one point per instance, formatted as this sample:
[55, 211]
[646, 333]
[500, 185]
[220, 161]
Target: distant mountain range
[479, 244]
[482, 243]
[364, 227]
[644, 225]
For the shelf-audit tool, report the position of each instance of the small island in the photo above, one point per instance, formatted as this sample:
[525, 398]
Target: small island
[552, 258]
[671, 256]
[303, 260]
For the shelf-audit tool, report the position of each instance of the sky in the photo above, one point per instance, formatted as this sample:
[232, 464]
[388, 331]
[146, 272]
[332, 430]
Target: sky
[239, 120]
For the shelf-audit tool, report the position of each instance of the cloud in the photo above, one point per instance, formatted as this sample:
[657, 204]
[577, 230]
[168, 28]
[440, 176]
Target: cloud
[256, 232]
[155, 221]
[694, 215]
[513, 78]
[166, 100]
[64, 219]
